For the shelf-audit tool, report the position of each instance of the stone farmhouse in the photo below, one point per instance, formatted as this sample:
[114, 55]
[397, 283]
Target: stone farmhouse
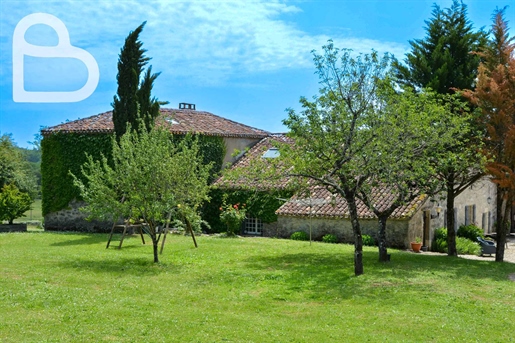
[185, 119]
[322, 213]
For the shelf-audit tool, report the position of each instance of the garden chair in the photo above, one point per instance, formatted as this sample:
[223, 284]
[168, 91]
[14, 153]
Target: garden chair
[487, 247]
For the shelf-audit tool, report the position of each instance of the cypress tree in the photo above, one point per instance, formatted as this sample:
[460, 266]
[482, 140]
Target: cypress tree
[133, 99]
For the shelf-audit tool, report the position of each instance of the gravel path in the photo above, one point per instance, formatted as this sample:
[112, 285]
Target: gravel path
[509, 254]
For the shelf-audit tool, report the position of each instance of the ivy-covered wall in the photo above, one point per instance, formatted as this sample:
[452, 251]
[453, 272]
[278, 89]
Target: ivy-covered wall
[66, 152]
[63, 153]
[260, 205]
[213, 150]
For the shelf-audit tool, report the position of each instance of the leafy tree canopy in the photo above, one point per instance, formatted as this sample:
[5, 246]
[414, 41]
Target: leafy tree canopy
[150, 179]
[14, 168]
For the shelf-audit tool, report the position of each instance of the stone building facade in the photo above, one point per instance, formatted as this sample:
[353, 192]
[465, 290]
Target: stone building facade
[180, 121]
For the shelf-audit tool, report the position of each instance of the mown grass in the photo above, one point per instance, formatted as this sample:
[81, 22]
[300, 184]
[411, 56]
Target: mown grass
[68, 287]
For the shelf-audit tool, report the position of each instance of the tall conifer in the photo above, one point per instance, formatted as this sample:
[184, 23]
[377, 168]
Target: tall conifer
[443, 61]
[133, 99]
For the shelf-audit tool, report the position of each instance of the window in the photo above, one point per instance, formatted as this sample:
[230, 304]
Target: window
[253, 226]
[172, 121]
[271, 153]
[470, 215]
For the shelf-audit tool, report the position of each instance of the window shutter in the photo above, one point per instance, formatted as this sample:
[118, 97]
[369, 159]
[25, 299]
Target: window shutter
[467, 214]
[455, 219]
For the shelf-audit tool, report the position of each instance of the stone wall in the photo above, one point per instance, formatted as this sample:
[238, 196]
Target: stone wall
[481, 195]
[396, 232]
[72, 219]
[240, 144]
[17, 227]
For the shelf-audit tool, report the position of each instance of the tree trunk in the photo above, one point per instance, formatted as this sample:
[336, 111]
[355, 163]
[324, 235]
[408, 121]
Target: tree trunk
[155, 242]
[381, 239]
[451, 234]
[358, 239]
[190, 229]
[501, 226]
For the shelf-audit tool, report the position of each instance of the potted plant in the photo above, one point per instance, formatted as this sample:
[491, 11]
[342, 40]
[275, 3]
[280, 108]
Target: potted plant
[416, 245]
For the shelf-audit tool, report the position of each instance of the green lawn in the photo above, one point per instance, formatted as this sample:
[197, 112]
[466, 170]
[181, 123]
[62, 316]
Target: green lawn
[69, 288]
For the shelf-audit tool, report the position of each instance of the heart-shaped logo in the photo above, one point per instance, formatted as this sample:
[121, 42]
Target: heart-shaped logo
[63, 49]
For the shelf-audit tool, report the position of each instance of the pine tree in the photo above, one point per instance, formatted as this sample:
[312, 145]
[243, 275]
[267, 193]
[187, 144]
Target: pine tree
[443, 61]
[133, 99]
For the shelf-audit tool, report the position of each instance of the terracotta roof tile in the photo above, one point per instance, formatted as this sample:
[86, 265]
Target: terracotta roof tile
[184, 121]
[323, 203]
[326, 205]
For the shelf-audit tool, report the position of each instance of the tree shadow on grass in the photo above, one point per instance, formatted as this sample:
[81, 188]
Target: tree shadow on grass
[323, 274]
[95, 238]
[119, 266]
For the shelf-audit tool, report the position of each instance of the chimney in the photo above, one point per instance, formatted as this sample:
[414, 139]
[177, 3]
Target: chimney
[185, 106]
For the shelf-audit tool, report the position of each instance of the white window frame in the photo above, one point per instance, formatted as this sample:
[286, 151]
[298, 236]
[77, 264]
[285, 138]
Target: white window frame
[253, 226]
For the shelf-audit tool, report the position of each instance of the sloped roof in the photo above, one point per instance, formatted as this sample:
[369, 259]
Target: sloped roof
[326, 205]
[256, 152]
[184, 121]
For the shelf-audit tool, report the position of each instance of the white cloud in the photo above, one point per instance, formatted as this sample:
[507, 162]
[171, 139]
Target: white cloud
[204, 41]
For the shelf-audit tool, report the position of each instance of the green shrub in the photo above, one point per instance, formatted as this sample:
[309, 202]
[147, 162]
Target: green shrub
[232, 216]
[465, 246]
[440, 240]
[368, 241]
[441, 233]
[440, 245]
[470, 232]
[13, 203]
[329, 238]
[299, 236]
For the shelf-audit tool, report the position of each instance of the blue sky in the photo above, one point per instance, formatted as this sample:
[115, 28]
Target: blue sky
[244, 60]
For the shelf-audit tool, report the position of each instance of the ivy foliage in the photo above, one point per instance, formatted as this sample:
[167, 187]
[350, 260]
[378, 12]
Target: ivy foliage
[63, 153]
[260, 205]
[213, 151]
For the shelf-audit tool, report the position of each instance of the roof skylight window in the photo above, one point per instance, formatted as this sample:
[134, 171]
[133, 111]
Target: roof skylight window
[172, 121]
[271, 153]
